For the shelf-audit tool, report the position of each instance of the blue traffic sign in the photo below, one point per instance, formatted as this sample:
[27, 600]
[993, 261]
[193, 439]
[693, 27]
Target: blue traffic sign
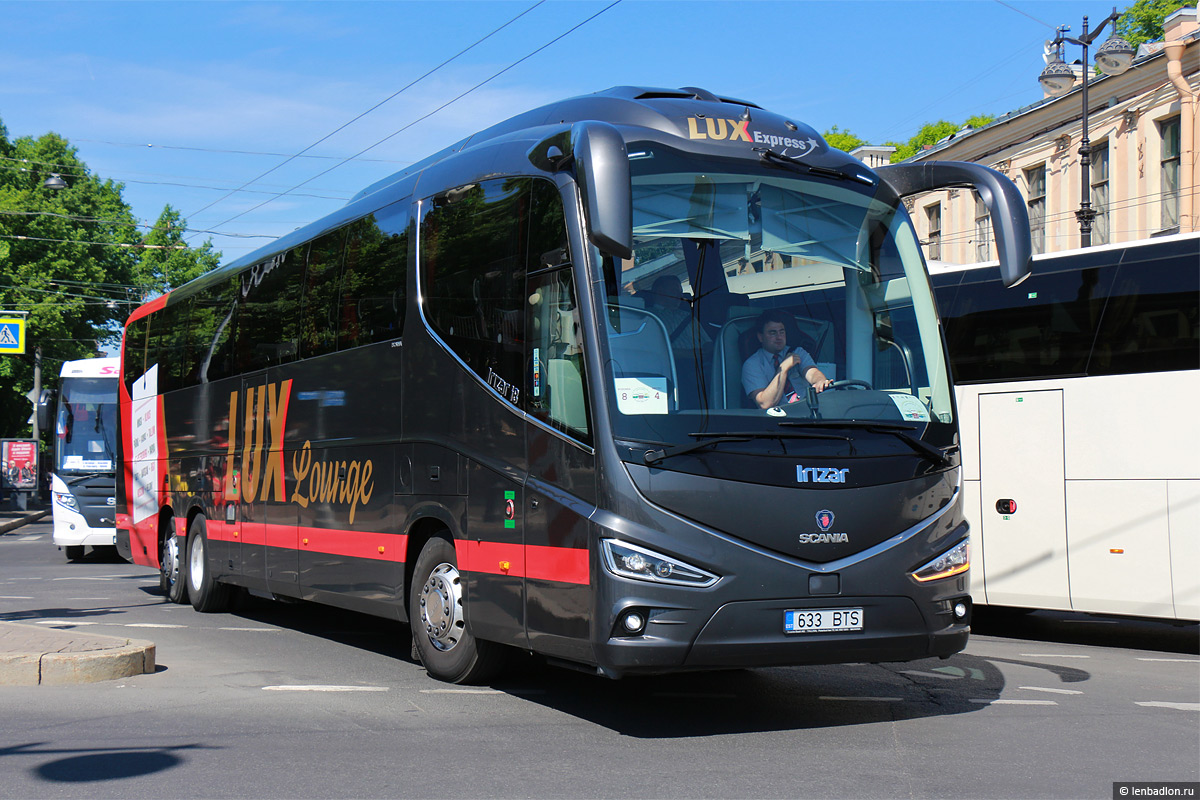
[12, 336]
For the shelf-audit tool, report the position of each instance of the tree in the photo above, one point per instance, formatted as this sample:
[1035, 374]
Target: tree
[843, 140]
[1143, 21]
[933, 132]
[167, 262]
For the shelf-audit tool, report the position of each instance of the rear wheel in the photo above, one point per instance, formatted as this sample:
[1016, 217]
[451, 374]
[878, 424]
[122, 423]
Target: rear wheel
[205, 592]
[171, 568]
[437, 614]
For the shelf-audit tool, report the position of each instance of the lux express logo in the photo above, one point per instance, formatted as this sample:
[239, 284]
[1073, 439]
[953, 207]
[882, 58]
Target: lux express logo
[719, 129]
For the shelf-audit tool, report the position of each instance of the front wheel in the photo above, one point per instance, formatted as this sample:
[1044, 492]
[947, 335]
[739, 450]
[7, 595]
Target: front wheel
[206, 594]
[437, 616]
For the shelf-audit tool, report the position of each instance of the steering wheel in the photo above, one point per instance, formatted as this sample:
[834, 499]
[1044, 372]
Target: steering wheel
[847, 383]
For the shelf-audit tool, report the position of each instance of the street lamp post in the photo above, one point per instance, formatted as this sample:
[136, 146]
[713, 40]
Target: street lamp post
[1112, 58]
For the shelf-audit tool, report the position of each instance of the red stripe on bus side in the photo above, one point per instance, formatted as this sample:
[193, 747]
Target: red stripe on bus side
[354, 544]
[560, 564]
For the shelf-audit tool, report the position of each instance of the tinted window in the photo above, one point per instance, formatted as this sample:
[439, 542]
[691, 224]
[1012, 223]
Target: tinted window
[1075, 316]
[318, 325]
[269, 310]
[557, 379]
[135, 351]
[478, 242]
[374, 278]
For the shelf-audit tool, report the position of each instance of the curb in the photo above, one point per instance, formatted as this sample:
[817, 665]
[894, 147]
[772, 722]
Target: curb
[57, 658]
[12, 525]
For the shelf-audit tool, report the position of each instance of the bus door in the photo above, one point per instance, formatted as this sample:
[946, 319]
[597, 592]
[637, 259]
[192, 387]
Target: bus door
[560, 490]
[1023, 495]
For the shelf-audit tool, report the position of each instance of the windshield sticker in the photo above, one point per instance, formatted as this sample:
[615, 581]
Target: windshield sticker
[92, 465]
[910, 407]
[641, 395]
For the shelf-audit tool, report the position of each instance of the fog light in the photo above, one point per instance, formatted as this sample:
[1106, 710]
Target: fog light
[634, 622]
[960, 610]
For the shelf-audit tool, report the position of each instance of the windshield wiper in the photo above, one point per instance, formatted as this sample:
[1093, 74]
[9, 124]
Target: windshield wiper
[85, 476]
[710, 439]
[900, 431]
[768, 155]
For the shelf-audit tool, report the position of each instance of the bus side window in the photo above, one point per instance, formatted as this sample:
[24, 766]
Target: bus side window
[474, 251]
[374, 278]
[318, 323]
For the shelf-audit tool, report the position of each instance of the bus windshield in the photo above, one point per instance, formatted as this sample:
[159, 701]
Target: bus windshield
[832, 257]
[86, 429]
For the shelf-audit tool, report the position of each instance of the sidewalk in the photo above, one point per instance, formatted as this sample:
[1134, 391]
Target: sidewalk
[31, 655]
[11, 520]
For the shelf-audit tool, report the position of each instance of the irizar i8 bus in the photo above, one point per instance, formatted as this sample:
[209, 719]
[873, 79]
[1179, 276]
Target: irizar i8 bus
[499, 395]
[83, 480]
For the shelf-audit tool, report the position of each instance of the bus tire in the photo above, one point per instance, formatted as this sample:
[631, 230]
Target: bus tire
[205, 592]
[172, 568]
[437, 615]
[74, 552]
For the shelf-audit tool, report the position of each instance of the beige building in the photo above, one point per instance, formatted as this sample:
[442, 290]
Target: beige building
[1144, 175]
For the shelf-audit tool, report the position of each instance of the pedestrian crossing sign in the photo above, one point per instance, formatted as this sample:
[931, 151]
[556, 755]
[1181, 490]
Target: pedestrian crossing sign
[12, 336]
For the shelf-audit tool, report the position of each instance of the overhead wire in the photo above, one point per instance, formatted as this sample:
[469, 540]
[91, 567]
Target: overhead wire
[346, 124]
[482, 83]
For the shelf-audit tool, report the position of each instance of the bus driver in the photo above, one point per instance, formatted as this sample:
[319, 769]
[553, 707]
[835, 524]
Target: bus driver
[771, 376]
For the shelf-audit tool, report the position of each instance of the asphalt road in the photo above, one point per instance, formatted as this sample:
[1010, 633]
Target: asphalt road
[300, 701]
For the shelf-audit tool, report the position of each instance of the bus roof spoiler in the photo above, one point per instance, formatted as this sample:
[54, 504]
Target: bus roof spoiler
[1010, 218]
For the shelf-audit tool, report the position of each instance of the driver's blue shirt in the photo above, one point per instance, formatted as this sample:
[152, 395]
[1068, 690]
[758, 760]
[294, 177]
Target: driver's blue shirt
[760, 369]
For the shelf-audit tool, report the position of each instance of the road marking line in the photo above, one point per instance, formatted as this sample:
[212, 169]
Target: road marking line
[37, 537]
[1178, 706]
[867, 699]
[88, 598]
[14, 597]
[61, 622]
[152, 625]
[1048, 689]
[265, 630]
[931, 674]
[461, 691]
[323, 688]
[1092, 621]
[1172, 660]
[1053, 655]
[1007, 702]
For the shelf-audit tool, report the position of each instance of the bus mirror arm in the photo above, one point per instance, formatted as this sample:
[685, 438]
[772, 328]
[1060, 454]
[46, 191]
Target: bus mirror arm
[1010, 218]
[602, 170]
[45, 408]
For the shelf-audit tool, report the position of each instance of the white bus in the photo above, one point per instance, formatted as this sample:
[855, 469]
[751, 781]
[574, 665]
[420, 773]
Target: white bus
[85, 445]
[1076, 395]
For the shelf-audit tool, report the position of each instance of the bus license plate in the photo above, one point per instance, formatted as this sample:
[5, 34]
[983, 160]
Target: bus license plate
[823, 620]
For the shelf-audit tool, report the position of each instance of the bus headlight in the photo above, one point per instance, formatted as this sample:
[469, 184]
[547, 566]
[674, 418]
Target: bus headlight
[66, 500]
[632, 561]
[954, 561]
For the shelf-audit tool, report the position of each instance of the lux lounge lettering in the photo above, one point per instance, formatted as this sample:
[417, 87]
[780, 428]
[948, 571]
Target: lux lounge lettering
[263, 417]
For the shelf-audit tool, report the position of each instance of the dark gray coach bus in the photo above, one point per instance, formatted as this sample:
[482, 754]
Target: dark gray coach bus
[501, 395]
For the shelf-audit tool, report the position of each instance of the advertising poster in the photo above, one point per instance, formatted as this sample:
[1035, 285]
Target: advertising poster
[19, 461]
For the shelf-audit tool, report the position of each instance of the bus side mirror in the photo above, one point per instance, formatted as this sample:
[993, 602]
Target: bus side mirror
[1010, 218]
[602, 170]
[45, 409]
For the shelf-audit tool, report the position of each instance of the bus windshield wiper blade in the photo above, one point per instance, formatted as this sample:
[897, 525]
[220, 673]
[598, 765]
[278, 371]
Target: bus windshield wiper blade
[769, 155]
[900, 431]
[710, 439]
[85, 476]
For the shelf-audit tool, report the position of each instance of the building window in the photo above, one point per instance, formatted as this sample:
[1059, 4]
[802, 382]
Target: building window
[983, 231]
[934, 215]
[1170, 173]
[1100, 225]
[1035, 180]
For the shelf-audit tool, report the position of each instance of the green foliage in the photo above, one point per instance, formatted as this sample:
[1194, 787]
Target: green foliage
[843, 140]
[933, 132]
[167, 262]
[70, 258]
[1143, 21]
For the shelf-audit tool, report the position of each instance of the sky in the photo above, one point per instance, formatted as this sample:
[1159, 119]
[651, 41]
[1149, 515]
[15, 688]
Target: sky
[206, 105]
